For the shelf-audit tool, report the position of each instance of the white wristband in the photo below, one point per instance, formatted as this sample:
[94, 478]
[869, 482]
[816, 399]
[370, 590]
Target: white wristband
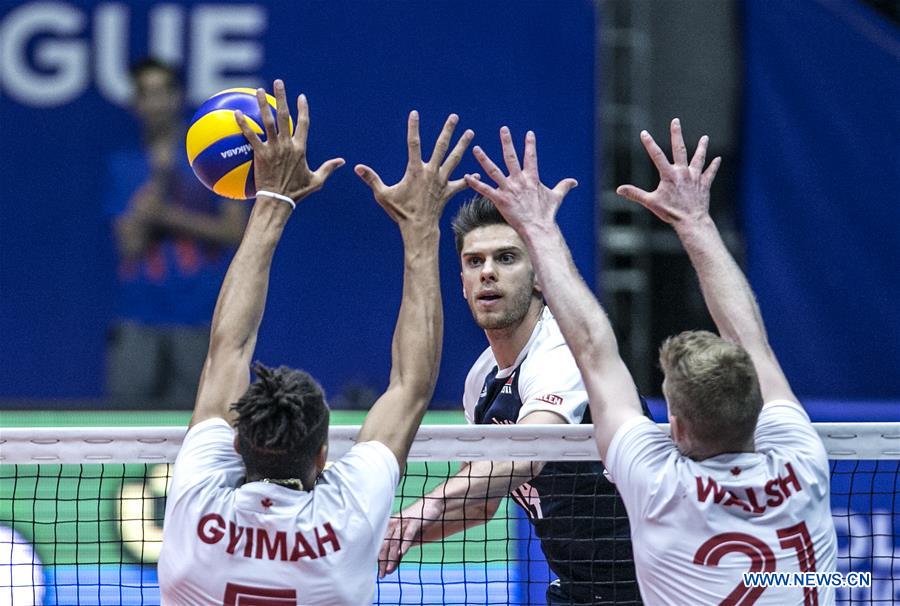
[272, 194]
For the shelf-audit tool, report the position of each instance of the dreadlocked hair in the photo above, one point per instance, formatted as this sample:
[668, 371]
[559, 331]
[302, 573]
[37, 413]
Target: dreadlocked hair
[282, 422]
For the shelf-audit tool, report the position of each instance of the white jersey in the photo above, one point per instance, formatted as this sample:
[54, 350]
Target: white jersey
[547, 378]
[227, 543]
[698, 525]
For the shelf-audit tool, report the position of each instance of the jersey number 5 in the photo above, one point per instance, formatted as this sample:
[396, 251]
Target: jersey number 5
[762, 559]
[246, 595]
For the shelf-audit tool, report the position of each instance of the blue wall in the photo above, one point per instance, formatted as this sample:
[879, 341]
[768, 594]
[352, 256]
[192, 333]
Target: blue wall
[821, 189]
[336, 282]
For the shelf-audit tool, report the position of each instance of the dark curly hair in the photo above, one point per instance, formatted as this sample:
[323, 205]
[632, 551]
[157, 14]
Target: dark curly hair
[477, 212]
[282, 423]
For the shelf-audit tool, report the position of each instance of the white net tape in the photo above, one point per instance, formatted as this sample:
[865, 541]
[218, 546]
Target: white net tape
[865, 441]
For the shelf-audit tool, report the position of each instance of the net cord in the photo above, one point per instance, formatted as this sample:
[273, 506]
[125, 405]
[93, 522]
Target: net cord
[80, 445]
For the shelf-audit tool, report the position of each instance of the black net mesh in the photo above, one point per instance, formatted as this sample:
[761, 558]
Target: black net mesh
[91, 534]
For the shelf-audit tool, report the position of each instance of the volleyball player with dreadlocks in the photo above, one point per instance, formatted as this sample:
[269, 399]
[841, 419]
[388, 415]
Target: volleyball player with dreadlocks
[251, 516]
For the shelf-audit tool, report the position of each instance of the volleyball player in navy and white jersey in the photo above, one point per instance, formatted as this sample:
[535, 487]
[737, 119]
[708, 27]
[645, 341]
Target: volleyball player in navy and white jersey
[526, 375]
[743, 483]
[252, 516]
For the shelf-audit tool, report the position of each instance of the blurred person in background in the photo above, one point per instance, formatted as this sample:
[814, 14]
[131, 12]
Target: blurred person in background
[174, 240]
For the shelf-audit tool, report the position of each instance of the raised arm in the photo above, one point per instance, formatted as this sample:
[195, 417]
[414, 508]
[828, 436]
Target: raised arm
[530, 208]
[280, 167]
[416, 204]
[682, 200]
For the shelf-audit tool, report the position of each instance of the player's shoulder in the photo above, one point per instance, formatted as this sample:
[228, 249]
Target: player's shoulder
[785, 421]
[547, 351]
[483, 365]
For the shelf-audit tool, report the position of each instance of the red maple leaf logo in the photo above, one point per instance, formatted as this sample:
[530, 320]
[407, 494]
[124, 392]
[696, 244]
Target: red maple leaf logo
[267, 502]
[735, 471]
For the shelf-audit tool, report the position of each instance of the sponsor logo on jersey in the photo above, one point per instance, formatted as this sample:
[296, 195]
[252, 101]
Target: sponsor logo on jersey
[552, 398]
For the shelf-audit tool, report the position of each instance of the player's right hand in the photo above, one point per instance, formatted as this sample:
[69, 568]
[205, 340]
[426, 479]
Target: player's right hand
[280, 162]
[418, 199]
[402, 533]
[683, 191]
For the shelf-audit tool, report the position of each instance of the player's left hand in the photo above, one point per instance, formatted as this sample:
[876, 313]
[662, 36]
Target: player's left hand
[683, 190]
[520, 197]
[420, 196]
[280, 162]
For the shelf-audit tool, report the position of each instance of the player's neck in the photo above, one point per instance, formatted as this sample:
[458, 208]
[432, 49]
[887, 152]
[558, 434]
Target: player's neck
[700, 454]
[507, 343]
[293, 483]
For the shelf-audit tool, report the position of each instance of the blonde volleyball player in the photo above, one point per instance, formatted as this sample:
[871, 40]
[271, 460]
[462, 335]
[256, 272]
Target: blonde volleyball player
[251, 516]
[743, 483]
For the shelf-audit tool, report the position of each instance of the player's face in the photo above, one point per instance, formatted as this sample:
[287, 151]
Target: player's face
[157, 99]
[497, 276]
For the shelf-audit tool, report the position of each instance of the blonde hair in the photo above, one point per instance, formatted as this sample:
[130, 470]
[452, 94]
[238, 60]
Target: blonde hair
[712, 384]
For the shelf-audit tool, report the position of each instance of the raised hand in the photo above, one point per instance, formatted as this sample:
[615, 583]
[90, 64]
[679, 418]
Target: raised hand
[280, 162]
[420, 196]
[683, 190]
[520, 197]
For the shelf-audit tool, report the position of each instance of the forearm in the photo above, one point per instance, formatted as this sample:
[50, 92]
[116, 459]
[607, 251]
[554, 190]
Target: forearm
[461, 516]
[472, 496]
[415, 349]
[242, 299]
[728, 295]
[586, 329]
[482, 480]
[416, 344]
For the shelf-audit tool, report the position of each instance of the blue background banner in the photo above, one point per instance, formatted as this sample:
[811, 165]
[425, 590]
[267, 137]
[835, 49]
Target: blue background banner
[336, 281]
[821, 176]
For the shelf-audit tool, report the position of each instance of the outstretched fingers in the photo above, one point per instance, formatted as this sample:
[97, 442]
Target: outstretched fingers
[243, 123]
[635, 194]
[482, 188]
[322, 173]
[413, 142]
[459, 150]
[679, 149]
[443, 141]
[530, 161]
[564, 187]
[456, 186]
[491, 169]
[509, 153]
[657, 155]
[281, 111]
[699, 158]
[301, 132]
[265, 112]
[709, 175]
[371, 178]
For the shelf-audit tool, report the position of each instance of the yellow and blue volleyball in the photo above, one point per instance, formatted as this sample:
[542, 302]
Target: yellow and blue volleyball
[220, 155]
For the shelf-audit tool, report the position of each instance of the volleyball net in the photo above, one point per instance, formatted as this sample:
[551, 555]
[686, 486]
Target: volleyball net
[81, 513]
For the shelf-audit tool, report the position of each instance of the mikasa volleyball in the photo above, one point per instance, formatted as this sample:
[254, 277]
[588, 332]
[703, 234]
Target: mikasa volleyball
[220, 155]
